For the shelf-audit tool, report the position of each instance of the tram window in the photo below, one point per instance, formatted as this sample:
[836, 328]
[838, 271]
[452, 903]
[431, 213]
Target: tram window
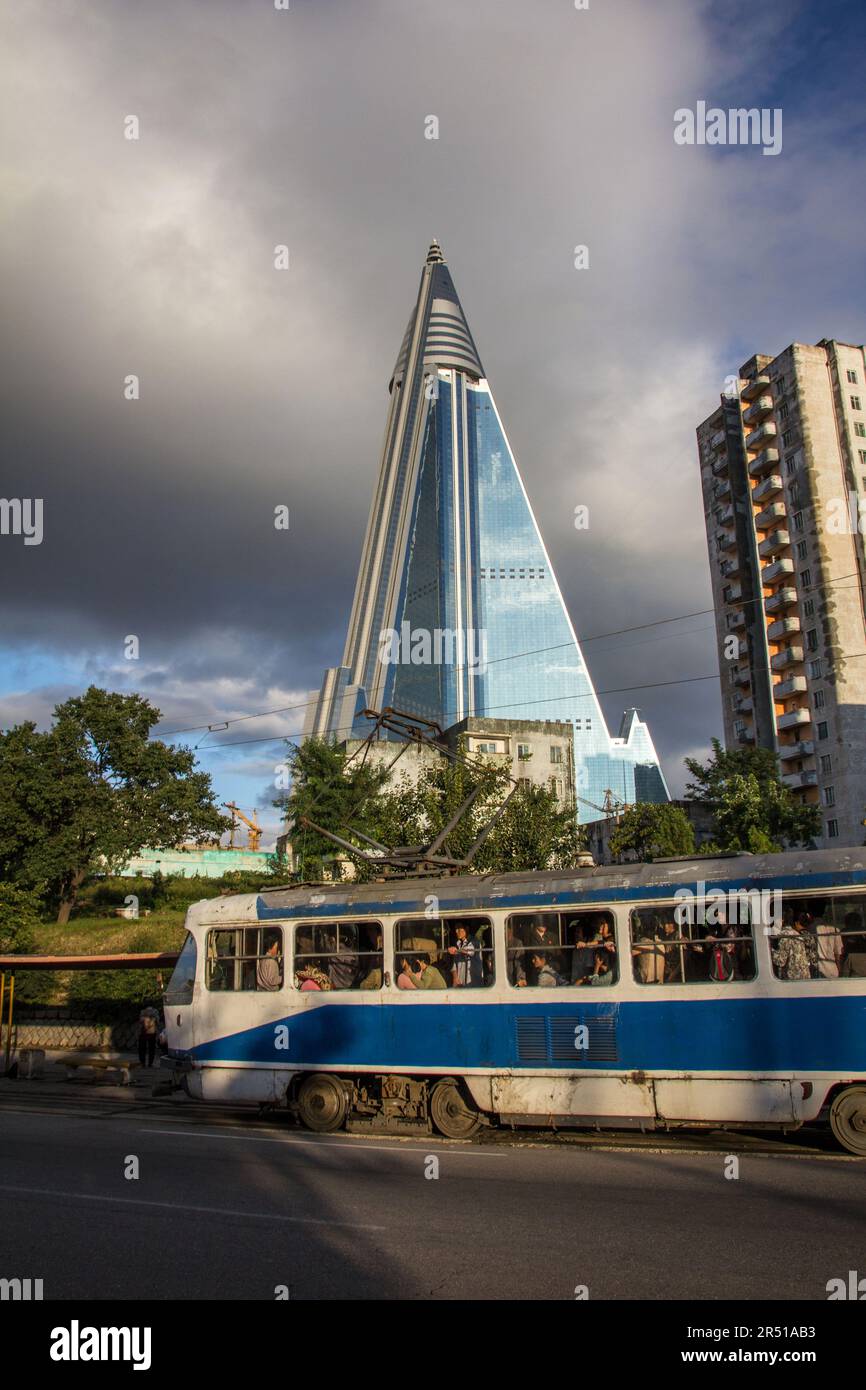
[548, 950]
[821, 939]
[714, 950]
[244, 958]
[180, 986]
[449, 952]
[338, 955]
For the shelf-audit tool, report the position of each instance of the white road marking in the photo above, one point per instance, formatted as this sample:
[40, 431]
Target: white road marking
[182, 1206]
[323, 1143]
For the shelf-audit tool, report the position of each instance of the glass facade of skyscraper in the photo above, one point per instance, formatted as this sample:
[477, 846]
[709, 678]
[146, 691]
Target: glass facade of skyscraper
[457, 609]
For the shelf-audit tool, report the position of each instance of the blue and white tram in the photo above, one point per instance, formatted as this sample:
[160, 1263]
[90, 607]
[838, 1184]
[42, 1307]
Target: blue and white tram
[600, 997]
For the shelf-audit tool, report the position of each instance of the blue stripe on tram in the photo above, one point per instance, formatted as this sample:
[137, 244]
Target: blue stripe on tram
[729, 1034]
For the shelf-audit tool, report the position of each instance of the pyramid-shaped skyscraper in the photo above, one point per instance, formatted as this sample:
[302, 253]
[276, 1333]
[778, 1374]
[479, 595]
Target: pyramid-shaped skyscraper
[457, 611]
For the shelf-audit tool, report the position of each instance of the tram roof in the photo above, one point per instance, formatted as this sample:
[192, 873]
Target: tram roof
[592, 884]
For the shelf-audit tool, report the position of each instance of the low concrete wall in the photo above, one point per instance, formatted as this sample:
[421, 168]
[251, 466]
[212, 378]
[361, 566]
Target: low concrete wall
[59, 1030]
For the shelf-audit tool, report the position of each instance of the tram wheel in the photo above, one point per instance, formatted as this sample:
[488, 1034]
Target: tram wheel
[451, 1115]
[848, 1119]
[322, 1103]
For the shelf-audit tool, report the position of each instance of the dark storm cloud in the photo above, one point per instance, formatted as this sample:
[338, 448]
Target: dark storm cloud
[261, 388]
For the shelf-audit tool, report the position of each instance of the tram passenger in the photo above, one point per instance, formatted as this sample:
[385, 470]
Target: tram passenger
[723, 964]
[583, 955]
[603, 972]
[425, 975]
[828, 947]
[406, 978]
[648, 951]
[546, 976]
[311, 976]
[604, 937]
[673, 964]
[373, 978]
[269, 975]
[514, 949]
[855, 946]
[466, 967]
[343, 963]
[797, 953]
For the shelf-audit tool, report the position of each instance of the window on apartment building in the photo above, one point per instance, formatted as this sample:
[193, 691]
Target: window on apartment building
[802, 549]
[556, 787]
[826, 763]
[819, 699]
[787, 439]
[555, 753]
[790, 464]
[806, 578]
[730, 619]
[832, 830]
[808, 607]
[860, 429]
[815, 669]
[726, 592]
[823, 731]
[779, 384]
[862, 453]
[829, 795]
[739, 727]
[798, 521]
[852, 376]
[524, 782]
[812, 639]
[783, 411]
[486, 748]
[855, 403]
[524, 750]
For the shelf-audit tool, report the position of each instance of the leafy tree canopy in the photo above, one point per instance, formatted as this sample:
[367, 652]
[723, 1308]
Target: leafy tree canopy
[92, 791]
[653, 831]
[752, 808]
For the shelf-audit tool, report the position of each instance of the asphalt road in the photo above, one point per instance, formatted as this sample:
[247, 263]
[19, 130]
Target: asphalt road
[228, 1206]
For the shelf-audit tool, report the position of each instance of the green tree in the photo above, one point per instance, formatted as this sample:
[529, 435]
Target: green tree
[92, 791]
[334, 793]
[19, 920]
[752, 808]
[653, 831]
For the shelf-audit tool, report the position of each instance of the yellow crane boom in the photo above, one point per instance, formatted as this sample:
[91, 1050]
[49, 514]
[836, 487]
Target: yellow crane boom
[254, 830]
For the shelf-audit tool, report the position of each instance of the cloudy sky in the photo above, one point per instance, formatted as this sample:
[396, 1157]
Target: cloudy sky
[260, 387]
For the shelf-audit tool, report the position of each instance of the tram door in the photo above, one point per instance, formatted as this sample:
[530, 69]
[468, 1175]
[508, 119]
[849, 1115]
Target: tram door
[178, 1000]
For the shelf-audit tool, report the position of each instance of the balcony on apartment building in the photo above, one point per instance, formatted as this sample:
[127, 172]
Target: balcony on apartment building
[763, 462]
[793, 719]
[763, 435]
[766, 518]
[782, 598]
[789, 656]
[717, 439]
[754, 387]
[745, 736]
[770, 487]
[743, 676]
[805, 748]
[721, 490]
[794, 685]
[742, 704]
[729, 567]
[800, 779]
[782, 627]
[780, 570]
[720, 465]
[758, 410]
[777, 540]
[735, 595]
[726, 540]
[736, 621]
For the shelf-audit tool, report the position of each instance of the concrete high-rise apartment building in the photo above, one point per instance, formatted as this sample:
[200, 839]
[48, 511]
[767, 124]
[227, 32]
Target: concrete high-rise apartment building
[457, 612]
[783, 470]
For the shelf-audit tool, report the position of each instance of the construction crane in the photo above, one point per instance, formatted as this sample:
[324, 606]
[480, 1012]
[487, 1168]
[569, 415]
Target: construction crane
[254, 830]
[613, 807]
